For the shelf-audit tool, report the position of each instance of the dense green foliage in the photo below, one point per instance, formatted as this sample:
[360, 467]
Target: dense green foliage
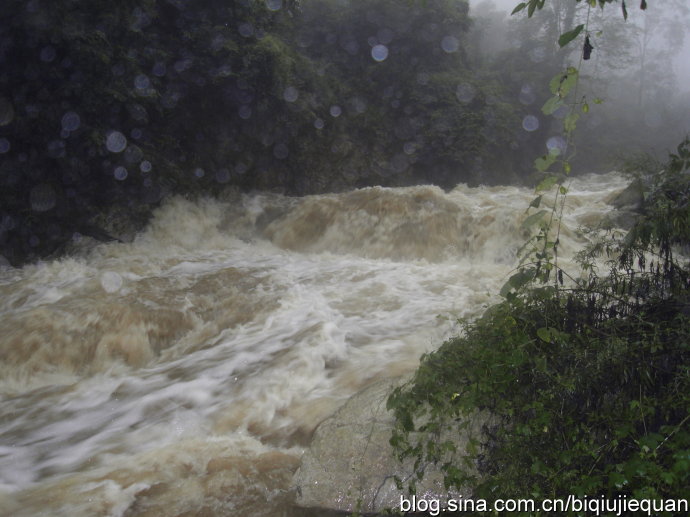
[588, 381]
[118, 103]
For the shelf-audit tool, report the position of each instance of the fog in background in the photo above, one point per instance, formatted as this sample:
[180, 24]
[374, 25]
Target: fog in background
[640, 68]
[681, 57]
[311, 97]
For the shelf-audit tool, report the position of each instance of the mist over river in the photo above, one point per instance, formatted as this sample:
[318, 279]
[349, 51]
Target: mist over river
[183, 373]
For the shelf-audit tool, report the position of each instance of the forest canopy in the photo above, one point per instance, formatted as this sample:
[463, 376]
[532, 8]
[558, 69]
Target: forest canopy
[108, 104]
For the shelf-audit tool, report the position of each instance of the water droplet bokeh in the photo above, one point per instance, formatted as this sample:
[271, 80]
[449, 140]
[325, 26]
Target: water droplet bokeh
[530, 123]
[379, 53]
[450, 44]
[111, 282]
[465, 93]
[120, 173]
[115, 142]
[70, 121]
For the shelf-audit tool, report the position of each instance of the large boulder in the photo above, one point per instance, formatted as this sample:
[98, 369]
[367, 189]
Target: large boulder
[631, 198]
[350, 465]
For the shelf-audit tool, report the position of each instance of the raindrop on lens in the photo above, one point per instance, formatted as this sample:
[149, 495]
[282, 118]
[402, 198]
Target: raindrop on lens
[145, 166]
[335, 111]
[290, 94]
[240, 168]
[319, 123]
[246, 29]
[530, 123]
[245, 112]
[141, 82]
[450, 44]
[358, 104]
[556, 144]
[120, 173]
[274, 5]
[111, 282]
[133, 154]
[4, 145]
[281, 151]
[379, 52]
[136, 133]
[526, 96]
[70, 121]
[199, 172]
[409, 147]
[115, 142]
[465, 93]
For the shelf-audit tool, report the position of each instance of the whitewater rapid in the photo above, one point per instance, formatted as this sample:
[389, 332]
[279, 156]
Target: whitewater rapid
[183, 373]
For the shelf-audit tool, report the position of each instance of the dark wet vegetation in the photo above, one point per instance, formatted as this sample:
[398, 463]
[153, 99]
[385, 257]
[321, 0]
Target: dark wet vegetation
[110, 106]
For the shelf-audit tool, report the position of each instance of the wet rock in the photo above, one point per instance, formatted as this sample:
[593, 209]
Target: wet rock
[350, 464]
[631, 198]
[623, 219]
[118, 222]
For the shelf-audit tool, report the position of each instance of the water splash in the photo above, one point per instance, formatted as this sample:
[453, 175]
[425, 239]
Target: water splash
[185, 371]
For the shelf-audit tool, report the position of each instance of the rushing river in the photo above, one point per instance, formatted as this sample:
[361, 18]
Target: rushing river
[183, 373]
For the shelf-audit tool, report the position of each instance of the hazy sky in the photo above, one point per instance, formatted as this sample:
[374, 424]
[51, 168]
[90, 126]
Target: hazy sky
[682, 61]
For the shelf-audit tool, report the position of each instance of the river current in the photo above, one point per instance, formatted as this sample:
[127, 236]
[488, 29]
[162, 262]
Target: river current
[183, 373]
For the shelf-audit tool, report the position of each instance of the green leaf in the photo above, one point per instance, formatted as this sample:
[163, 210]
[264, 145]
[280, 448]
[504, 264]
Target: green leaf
[518, 280]
[625, 10]
[585, 108]
[547, 183]
[544, 162]
[566, 167]
[552, 105]
[570, 122]
[535, 202]
[519, 7]
[532, 7]
[555, 82]
[598, 100]
[544, 334]
[570, 35]
[569, 81]
[562, 83]
[533, 219]
[563, 190]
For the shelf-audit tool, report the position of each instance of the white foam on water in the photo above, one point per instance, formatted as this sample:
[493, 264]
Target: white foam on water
[211, 346]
